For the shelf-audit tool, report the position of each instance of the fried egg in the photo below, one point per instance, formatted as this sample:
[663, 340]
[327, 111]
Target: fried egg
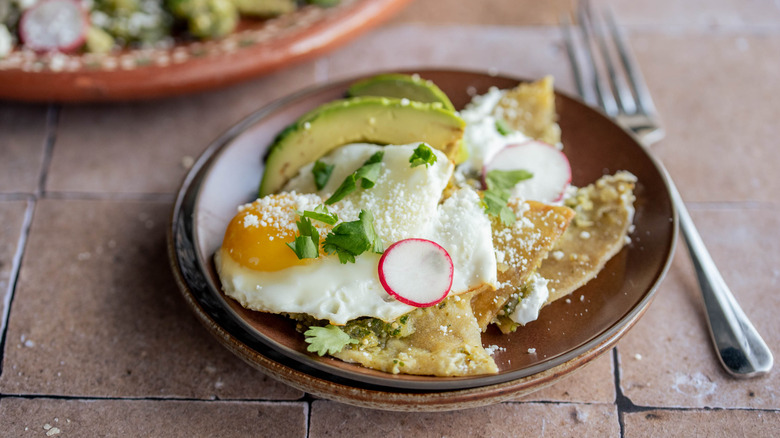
[262, 273]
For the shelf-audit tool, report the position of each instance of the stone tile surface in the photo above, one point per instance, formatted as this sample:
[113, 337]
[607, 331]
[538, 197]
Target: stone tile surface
[12, 215]
[97, 313]
[116, 418]
[144, 147]
[22, 145]
[594, 383]
[720, 144]
[667, 358]
[494, 12]
[656, 423]
[521, 52]
[331, 419]
[703, 15]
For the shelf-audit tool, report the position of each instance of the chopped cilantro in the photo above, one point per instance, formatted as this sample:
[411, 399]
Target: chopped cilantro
[496, 205]
[350, 239]
[375, 158]
[502, 127]
[327, 340]
[506, 179]
[496, 197]
[348, 186]
[307, 244]
[321, 172]
[321, 214]
[422, 155]
[366, 174]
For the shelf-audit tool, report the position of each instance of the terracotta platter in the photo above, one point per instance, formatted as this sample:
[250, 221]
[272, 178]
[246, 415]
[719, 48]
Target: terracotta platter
[255, 48]
[568, 334]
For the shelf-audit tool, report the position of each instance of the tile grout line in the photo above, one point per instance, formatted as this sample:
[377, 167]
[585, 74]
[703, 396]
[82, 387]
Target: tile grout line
[31, 396]
[16, 265]
[620, 398]
[52, 122]
[50, 129]
[624, 404]
[111, 196]
[307, 398]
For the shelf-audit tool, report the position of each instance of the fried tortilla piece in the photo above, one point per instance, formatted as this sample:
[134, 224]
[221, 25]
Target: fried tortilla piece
[520, 249]
[605, 211]
[530, 109]
[445, 341]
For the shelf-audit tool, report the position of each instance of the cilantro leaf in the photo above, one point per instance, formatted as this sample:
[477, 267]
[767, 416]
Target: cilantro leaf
[321, 172]
[506, 179]
[496, 205]
[496, 197]
[347, 186]
[307, 244]
[367, 219]
[304, 247]
[327, 340]
[350, 239]
[422, 155]
[321, 214]
[375, 158]
[502, 127]
[366, 174]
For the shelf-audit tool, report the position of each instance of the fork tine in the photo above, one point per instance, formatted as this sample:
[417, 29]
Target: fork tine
[606, 99]
[625, 98]
[644, 102]
[571, 50]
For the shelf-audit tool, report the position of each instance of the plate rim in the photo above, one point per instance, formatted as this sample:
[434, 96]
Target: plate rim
[414, 391]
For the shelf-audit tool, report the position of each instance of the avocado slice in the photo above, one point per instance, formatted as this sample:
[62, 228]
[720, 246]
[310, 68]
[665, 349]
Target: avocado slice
[376, 120]
[399, 86]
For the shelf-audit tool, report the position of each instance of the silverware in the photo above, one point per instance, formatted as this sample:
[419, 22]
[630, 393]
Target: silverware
[621, 92]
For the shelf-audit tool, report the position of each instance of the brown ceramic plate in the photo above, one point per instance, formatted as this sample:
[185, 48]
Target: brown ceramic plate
[568, 333]
[256, 47]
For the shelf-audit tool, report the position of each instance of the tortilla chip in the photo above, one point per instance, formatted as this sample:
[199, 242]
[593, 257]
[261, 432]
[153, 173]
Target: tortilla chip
[446, 341]
[520, 249]
[605, 211]
[530, 109]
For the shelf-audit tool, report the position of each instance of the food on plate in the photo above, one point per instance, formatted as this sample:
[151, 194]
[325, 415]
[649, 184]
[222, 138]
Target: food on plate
[397, 85]
[530, 109]
[101, 26]
[550, 167]
[360, 119]
[604, 216]
[395, 232]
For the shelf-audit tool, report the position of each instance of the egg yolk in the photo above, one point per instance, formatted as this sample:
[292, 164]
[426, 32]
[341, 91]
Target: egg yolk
[260, 245]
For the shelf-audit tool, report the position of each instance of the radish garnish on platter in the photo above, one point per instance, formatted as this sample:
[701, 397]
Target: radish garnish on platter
[54, 25]
[417, 272]
[549, 166]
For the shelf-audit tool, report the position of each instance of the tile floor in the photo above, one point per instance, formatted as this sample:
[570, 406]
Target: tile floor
[96, 340]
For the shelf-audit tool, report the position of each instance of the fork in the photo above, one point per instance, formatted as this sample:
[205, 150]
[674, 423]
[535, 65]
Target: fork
[621, 93]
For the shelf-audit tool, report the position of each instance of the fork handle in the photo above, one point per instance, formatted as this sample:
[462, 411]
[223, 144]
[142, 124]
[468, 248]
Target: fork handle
[741, 350]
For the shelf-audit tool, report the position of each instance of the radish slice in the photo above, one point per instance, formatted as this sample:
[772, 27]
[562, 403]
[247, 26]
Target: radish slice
[552, 173]
[51, 25]
[418, 272]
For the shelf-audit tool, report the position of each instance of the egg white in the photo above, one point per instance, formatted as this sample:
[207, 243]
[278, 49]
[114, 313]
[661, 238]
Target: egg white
[405, 204]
